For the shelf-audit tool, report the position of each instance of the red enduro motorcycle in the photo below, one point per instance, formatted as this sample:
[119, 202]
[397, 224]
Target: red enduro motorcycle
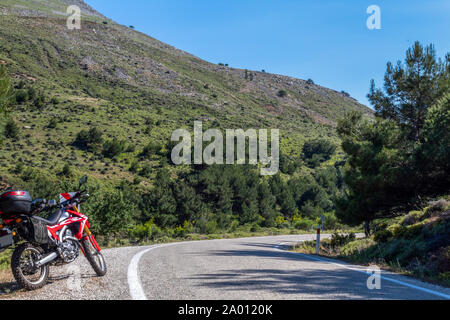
[41, 242]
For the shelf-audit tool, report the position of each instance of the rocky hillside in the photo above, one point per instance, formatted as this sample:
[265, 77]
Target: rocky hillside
[136, 88]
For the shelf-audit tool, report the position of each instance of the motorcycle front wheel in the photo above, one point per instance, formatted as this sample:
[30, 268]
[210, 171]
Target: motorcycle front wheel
[95, 257]
[24, 269]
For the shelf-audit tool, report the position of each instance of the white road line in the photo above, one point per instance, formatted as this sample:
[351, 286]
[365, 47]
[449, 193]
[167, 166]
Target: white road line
[134, 283]
[433, 292]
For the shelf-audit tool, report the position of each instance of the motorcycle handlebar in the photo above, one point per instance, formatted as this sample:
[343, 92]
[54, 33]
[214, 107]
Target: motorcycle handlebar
[79, 197]
[42, 204]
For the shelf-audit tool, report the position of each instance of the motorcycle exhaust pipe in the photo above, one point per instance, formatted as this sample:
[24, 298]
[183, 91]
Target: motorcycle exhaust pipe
[47, 259]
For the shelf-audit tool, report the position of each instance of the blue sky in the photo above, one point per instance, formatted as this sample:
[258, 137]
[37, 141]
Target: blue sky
[327, 41]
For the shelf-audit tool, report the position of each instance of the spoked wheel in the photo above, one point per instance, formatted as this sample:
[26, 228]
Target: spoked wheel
[94, 256]
[25, 271]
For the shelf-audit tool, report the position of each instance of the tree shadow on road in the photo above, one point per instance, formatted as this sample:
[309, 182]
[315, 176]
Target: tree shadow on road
[260, 245]
[303, 278]
[7, 288]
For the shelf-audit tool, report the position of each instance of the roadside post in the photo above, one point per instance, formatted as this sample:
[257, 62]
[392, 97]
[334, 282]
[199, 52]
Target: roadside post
[318, 239]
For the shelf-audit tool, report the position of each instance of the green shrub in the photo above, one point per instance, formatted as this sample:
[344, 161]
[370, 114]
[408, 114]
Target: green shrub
[134, 166]
[113, 212]
[19, 167]
[211, 227]
[89, 140]
[379, 225]
[338, 240]
[32, 94]
[39, 102]
[282, 93]
[414, 230]
[234, 225]
[397, 230]
[21, 96]
[255, 227]
[357, 246]
[131, 148]
[113, 148]
[150, 231]
[400, 231]
[157, 232]
[5, 258]
[331, 221]
[146, 170]
[400, 251]
[153, 148]
[53, 123]
[179, 232]
[410, 250]
[12, 130]
[66, 171]
[281, 222]
[137, 180]
[184, 230]
[54, 100]
[304, 224]
[382, 236]
[316, 151]
[142, 231]
[412, 218]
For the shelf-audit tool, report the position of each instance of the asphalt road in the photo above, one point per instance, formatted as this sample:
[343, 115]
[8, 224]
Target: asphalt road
[250, 268]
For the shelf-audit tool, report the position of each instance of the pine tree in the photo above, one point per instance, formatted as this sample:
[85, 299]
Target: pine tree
[266, 204]
[287, 203]
[189, 205]
[432, 157]
[412, 88]
[160, 203]
[390, 163]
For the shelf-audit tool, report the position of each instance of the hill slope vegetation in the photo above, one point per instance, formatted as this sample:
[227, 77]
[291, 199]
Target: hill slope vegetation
[104, 101]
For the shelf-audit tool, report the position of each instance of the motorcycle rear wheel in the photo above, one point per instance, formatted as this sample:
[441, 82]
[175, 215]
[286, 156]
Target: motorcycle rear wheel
[23, 267]
[95, 257]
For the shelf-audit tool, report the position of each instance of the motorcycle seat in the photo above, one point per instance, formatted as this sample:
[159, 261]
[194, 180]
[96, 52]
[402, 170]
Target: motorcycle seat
[53, 219]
